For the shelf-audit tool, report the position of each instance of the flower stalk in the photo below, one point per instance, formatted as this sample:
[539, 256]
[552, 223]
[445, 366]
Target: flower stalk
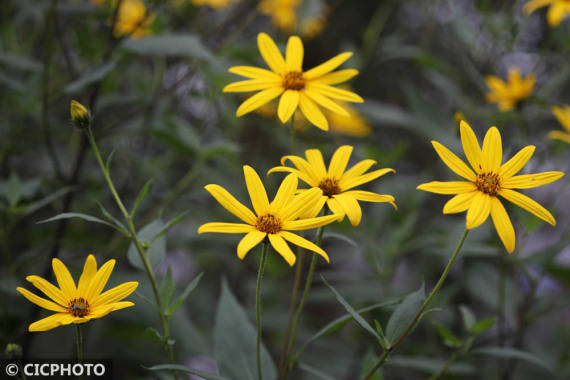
[79, 339]
[258, 308]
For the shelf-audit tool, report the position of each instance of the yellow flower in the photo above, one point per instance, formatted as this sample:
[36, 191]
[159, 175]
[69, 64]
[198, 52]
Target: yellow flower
[304, 89]
[283, 13]
[133, 19]
[508, 94]
[489, 179]
[313, 26]
[557, 10]
[216, 4]
[563, 116]
[77, 304]
[80, 116]
[271, 220]
[334, 184]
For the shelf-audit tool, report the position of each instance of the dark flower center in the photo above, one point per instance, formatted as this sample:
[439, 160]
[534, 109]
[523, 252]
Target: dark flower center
[294, 81]
[79, 307]
[488, 183]
[330, 187]
[268, 223]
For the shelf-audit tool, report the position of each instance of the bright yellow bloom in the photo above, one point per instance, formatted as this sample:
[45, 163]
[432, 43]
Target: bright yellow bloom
[557, 10]
[133, 19]
[304, 89]
[334, 184]
[490, 178]
[80, 116]
[271, 220]
[78, 304]
[508, 94]
[216, 4]
[563, 116]
[283, 13]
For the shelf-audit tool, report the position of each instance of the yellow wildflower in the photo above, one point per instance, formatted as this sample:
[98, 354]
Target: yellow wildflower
[334, 185]
[489, 179]
[304, 89]
[563, 116]
[216, 4]
[508, 94]
[283, 13]
[80, 116]
[133, 19]
[78, 304]
[271, 220]
[557, 9]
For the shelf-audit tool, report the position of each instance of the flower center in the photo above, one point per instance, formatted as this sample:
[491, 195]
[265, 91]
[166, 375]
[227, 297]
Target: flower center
[330, 187]
[293, 80]
[268, 223]
[79, 307]
[488, 183]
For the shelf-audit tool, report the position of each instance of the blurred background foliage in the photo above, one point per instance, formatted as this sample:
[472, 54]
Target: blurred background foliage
[154, 89]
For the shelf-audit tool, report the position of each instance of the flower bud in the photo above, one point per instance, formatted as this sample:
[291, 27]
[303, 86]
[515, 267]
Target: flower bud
[80, 116]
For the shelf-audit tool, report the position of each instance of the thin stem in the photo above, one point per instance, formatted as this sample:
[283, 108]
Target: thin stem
[258, 307]
[292, 132]
[420, 312]
[445, 367]
[501, 314]
[79, 340]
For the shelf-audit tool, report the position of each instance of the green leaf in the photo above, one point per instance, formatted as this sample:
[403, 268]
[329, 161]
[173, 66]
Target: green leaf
[383, 341]
[118, 225]
[95, 74]
[468, 317]
[34, 206]
[140, 197]
[404, 314]
[235, 341]
[156, 250]
[69, 215]
[365, 325]
[189, 289]
[511, 353]
[168, 226]
[183, 368]
[315, 372]
[449, 338]
[430, 365]
[109, 160]
[153, 335]
[340, 237]
[482, 325]
[168, 45]
[167, 288]
[20, 62]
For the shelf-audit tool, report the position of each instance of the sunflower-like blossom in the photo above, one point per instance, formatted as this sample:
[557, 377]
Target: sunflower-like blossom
[133, 19]
[335, 184]
[508, 94]
[563, 116]
[81, 303]
[487, 179]
[558, 10]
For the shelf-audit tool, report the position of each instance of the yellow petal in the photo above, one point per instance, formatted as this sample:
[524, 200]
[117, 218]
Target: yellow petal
[258, 100]
[300, 204]
[351, 208]
[231, 204]
[304, 167]
[452, 187]
[496, 84]
[309, 223]
[270, 53]
[285, 193]
[556, 13]
[503, 224]
[106, 309]
[559, 135]
[333, 92]
[303, 176]
[282, 248]
[287, 105]
[115, 294]
[252, 85]
[89, 270]
[533, 5]
[453, 162]
[53, 321]
[315, 160]
[327, 66]
[249, 241]
[64, 279]
[312, 112]
[294, 54]
[528, 181]
[339, 161]
[99, 280]
[563, 116]
[516, 163]
[256, 190]
[254, 72]
[459, 203]
[315, 209]
[336, 208]
[49, 290]
[337, 77]
[302, 242]
[528, 204]
[225, 228]
[368, 196]
[470, 146]
[357, 181]
[492, 152]
[41, 302]
[326, 102]
[479, 210]
[357, 170]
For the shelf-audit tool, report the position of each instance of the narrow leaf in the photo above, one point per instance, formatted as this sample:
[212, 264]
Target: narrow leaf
[482, 325]
[69, 215]
[140, 197]
[511, 353]
[167, 288]
[189, 289]
[468, 317]
[118, 225]
[449, 338]
[168, 226]
[404, 314]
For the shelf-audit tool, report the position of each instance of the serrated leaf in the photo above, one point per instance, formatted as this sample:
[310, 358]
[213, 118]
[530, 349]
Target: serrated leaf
[468, 317]
[140, 197]
[168, 45]
[365, 325]
[156, 251]
[404, 314]
[70, 215]
[511, 353]
[482, 325]
[449, 338]
[95, 74]
[167, 288]
[183, 368]
[185, 294]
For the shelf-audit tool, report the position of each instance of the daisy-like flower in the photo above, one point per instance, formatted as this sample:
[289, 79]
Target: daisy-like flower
[489, 179]
[298, 88]
[81, 303]
[508, 94]
[133, 19]
[558, 10]
[563, 116]
[271, 220]
[334, 185]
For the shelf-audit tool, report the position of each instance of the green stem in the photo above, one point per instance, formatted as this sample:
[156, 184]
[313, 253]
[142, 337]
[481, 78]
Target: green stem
[445, 366]
[141, 251]
[292, 132]
[420, 312]
[258, 307]
[502, 363]
[79, 336]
